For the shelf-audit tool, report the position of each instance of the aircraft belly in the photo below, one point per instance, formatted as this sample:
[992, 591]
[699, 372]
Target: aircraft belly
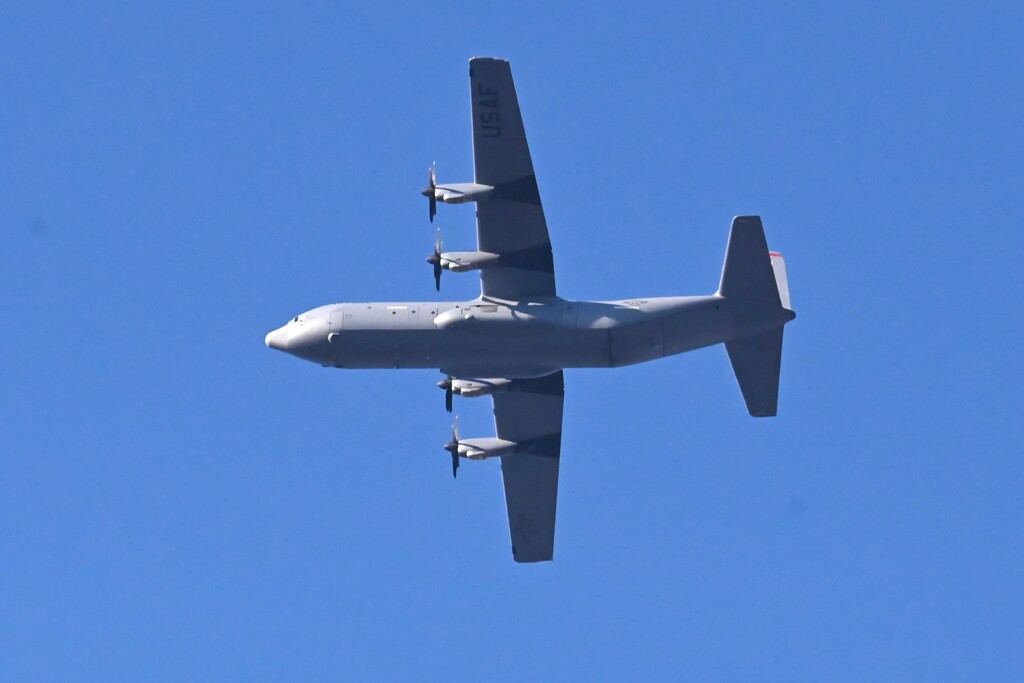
[526, 353]
[505, 347]
[370, 349]
[636, 343]
[696, 326]
[468, 352]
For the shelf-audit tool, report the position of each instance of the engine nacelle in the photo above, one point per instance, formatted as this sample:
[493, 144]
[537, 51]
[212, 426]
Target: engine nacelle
[460, 193]
[472, 388]
[464, 261]
[481, 449]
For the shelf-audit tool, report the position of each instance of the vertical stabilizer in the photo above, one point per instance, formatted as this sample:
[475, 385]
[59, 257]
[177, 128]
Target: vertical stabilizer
[756, 361]
[754, 282]
[747, 275]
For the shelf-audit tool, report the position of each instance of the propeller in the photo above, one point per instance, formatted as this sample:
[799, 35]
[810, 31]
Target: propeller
[453, 447]
[446, 384]
[435, 260]
[428, 191]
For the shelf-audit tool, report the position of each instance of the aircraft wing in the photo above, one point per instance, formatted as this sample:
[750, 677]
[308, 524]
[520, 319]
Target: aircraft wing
[531, 415]
[509, 221]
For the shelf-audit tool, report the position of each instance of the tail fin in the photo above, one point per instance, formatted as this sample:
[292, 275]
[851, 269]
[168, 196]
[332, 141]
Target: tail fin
[756, 361]
[747, 275]
[755, 279]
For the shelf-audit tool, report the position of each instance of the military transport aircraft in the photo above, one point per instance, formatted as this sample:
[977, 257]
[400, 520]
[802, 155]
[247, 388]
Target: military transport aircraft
[513, 341]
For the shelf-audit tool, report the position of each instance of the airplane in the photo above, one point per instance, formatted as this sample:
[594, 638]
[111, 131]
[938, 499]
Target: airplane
[513, 342]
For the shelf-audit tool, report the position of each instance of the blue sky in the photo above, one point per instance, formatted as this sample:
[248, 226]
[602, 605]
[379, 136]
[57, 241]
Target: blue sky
[178, 502]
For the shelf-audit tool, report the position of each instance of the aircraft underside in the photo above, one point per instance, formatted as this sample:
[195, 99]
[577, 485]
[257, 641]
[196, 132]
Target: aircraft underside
[502, 343]
[512, 343]
[500, 349]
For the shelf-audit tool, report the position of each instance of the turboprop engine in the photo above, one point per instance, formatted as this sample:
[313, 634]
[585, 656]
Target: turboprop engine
[452, 193]
[476, 449]
[464, 261]
[458, 261]
[488, 447]
[471, 388]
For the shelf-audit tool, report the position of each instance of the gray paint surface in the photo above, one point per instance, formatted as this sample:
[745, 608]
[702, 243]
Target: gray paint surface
[514, 340]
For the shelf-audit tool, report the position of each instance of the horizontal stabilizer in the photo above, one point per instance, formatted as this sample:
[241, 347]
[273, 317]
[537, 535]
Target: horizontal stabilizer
[756, 361]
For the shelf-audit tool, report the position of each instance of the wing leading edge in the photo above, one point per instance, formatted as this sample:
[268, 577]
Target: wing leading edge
[531, 415]
[510, 220]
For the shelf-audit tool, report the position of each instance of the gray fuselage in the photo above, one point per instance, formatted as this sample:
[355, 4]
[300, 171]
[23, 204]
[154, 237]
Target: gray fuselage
[489, 338]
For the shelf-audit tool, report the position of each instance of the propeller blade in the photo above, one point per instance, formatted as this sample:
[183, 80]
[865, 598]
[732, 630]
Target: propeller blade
[428, 191]
[446, 384]
[453, 447]
[435, 259]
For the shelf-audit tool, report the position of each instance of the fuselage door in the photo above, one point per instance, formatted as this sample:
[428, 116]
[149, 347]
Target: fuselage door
[337, 315]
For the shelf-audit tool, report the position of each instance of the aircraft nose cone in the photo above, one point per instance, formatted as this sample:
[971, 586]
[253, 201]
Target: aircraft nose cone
[278, 339]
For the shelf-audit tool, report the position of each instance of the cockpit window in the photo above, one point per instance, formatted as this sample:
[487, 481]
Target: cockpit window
[295, 319]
